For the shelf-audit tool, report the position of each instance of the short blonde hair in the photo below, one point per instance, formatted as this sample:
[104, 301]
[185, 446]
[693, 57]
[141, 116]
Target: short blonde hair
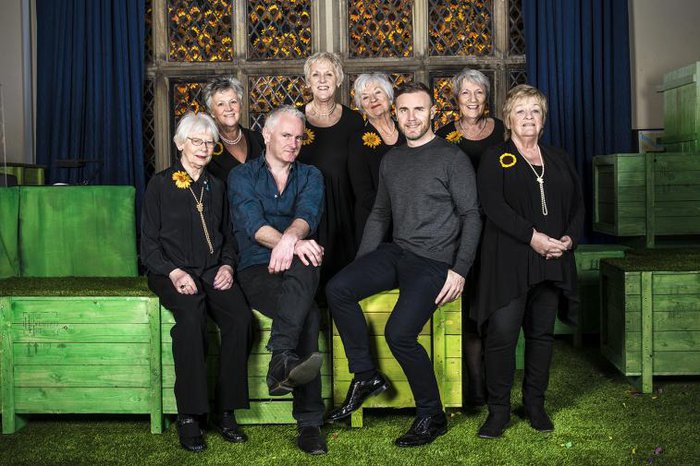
[192, 123]
[331, 58]
[518, 93]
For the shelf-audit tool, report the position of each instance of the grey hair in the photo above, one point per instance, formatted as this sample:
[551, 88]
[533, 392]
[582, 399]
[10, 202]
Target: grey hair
[221, 84]
[192, 123]
[365, 79]
[474, 76]
[330, 57]
[274, 116]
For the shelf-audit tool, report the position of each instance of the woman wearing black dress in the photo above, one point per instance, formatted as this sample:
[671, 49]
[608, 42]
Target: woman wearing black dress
[374, 96]
[328, 129]
[223, 97]
[532, 199]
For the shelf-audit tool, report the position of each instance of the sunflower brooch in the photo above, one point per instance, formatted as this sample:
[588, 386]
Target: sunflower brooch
[309, 137]
[182, 179]
[507, 160]
[218, 149]
[454, 137]
[371, 140]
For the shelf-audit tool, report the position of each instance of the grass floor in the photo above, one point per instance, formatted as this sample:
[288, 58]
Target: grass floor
[599, 418]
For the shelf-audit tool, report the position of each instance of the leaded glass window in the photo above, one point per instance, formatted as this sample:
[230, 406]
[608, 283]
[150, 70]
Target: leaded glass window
[200, 30]
[460, 27]
[279, 30]
[270, 92]
[516, 35]
[380, 28]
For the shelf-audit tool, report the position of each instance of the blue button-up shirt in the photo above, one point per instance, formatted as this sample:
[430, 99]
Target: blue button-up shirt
[255, 202]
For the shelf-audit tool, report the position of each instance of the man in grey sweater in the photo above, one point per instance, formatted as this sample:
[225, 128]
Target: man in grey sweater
[427, 191]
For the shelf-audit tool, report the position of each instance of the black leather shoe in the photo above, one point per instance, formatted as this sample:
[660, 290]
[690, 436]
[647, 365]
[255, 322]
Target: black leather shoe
[311, 441]
[539, 419]
[229, 428]
[191, 437]
[287, 371]
[358, 392]
[495, 424]
[424, 430]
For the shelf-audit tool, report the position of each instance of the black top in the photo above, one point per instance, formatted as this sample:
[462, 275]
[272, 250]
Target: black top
[510, 198]
[171, 228]
[222, 161]
[327, 149]
[366, 151]
[473, 149]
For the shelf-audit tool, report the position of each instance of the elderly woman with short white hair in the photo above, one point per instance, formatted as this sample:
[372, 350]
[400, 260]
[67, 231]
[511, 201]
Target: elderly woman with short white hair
[374, 96]
[189, 252]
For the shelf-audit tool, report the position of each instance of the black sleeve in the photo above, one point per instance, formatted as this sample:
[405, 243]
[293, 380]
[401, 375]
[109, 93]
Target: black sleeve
[152, 254]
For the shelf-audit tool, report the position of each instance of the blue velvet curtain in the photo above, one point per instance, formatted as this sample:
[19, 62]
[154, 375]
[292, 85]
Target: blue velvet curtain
[90, 67]
[578, 55]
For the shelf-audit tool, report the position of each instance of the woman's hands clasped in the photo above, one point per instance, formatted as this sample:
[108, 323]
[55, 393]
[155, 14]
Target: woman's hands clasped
[548, 247]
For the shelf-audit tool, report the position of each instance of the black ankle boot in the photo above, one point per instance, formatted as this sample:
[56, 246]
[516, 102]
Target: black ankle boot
[539, 419]
[496, 423]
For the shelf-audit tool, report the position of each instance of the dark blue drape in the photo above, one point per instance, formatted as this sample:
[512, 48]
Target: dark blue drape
[90, 66]
[578, 56]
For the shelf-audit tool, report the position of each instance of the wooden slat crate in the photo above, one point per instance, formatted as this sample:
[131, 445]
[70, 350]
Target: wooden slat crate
[441, 337]
[26, 174]
[264, 409]
[647, 194]
[71, 354]
[650, 321]
[682, 109]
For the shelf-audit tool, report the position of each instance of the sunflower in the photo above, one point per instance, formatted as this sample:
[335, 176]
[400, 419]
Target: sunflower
[218, 149]
[309, 137]
[371, 140]
[507, 160]
[454, 137]
[182, 179]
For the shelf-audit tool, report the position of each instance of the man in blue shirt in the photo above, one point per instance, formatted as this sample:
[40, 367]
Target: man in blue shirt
[276, 204]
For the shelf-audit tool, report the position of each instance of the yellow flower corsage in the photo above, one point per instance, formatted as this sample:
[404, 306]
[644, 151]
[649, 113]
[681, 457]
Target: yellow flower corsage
[371, 140]
[507, 160]
[182, 179]
[218, 149]
[454, 137]
[309, 137]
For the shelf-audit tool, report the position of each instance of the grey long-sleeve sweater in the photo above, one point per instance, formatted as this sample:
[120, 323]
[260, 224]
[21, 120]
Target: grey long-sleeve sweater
[430, 194]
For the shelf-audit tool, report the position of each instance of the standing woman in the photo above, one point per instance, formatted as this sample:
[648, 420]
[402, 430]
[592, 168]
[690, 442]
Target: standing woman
[188, 248]
[223, 97]
[474, 132]
[532, 199]
[374, 96]
[328, 129]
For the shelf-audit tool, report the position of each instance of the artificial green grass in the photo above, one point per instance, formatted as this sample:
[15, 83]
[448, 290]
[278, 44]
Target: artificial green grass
[75, 286]
[600, 420]
[666, 259]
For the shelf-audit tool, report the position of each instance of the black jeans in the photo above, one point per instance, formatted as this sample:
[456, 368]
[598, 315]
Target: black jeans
[232, 315]
[288, 299]
[419, 281]
[535, 312]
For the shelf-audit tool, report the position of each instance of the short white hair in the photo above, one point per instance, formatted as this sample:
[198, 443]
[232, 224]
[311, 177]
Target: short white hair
[221, 84]
[192, 123]
[274, 116]
[473, 76]
[365, 79]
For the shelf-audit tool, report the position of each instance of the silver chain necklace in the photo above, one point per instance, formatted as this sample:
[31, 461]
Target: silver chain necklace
[232, 142]
[540, 180]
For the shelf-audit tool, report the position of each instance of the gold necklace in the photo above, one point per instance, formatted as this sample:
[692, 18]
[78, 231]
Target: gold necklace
[200, 208]
[540, 180]
[473, 138]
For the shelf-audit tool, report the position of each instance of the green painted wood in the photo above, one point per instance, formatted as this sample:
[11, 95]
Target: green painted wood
[37, 310]
[82, 400]
[681, 105]
[155, 367]
[258, 345]
[72, 353]
[650, 199]
[356, 418]
[85, 333]
[677, 340]
[81, 376]
[439, 350]
[648, 339]
[7, 382]
[268, 412]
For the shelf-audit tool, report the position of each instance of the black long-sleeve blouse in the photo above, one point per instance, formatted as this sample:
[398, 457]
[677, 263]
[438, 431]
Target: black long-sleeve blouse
[474, 149]
[222, 161]
[172, 235]
[510, 198]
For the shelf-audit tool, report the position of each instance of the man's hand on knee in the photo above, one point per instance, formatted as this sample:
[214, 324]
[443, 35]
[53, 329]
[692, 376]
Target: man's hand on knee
[452, 289]
[282, 254]
[309, 252]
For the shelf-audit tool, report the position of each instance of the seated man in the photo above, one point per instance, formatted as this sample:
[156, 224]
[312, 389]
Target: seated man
[276, 203]
[427, 191]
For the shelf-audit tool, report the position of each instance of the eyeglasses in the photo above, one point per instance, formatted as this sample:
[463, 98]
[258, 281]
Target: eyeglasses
[199, 142]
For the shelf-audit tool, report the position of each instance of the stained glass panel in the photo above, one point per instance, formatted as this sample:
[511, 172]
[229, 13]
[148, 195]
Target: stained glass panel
[279, 29]
[380, 28]
[516, 77]
[516, 31]
[148, 128]
[269, 92]
[200, 30]
[397, 79]
[460, 27]
[148, 33]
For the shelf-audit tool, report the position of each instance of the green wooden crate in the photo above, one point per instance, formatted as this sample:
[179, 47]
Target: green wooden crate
[441, 337]
[26, 174]
[77, 354]
[264, 409]
[650, 321]
[682, 109]
[647, 194]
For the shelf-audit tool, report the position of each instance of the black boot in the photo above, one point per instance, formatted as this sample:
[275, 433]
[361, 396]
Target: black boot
[539, 419]
[424, 430]
[496, 422]
[190, 433]
[358, 392]
[287, 371]
[311, 441]
[229, 428]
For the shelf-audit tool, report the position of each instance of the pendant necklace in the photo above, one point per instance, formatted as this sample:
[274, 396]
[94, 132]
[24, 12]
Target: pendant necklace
[200, 208]
[540, 181]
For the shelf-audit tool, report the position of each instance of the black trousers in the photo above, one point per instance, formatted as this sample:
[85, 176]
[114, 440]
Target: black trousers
[419, 281]
[232, 315]
[535, 312]
[288, 299]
